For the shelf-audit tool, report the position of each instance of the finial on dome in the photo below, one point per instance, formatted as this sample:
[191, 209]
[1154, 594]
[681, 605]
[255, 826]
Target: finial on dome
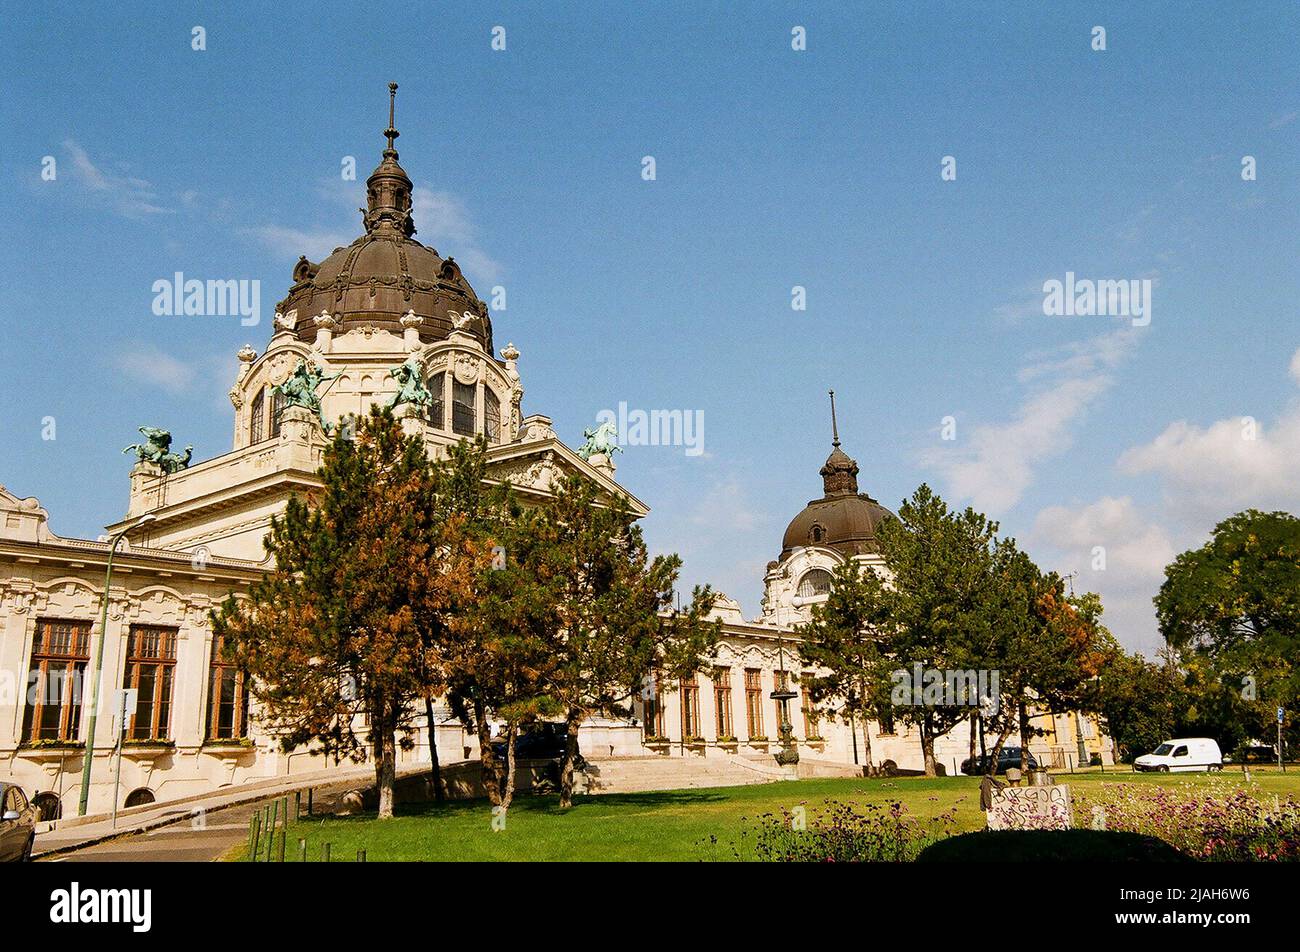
[391, 132]
[835, 430]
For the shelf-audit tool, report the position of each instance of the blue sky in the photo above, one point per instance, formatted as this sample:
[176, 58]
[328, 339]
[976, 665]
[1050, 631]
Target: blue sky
[774, 168]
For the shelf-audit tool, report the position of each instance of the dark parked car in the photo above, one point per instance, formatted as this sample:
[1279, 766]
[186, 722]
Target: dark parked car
[542, 741]
[1008, 758]
[17, 824]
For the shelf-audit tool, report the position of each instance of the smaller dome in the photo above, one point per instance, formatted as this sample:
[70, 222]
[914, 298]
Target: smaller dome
[843, 519]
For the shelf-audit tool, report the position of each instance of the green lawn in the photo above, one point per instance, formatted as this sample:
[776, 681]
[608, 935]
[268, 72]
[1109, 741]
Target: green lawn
[671, 825]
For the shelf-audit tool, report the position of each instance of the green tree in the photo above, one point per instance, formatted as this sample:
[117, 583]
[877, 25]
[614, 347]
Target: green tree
[843, 641]
[933, 609]
[1137, 702]
[492, 647]
[605, 609]
[1230, 613]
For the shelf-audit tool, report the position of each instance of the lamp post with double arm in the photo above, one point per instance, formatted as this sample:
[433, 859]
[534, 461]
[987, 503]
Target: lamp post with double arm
[97, 675]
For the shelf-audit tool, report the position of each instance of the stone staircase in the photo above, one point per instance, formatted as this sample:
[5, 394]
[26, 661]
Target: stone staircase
[638, 774]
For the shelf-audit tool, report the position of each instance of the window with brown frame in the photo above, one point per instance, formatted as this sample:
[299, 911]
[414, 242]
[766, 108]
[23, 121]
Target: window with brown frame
[257, 418]
[151, 670]
[227, 698]
[690, 708]
[438, 411]
[722, 702]
[60, 653]
[811, 719]
[754, 702]
[654, 710]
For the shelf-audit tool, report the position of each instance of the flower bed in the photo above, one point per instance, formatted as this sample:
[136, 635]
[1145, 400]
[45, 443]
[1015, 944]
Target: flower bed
[1227, 823]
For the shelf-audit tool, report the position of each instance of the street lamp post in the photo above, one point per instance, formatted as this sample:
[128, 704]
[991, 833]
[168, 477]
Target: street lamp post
[97, 676]
[788, 755]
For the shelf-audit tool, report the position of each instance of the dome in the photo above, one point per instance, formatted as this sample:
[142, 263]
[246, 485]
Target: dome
[843, 519]
[386, 273]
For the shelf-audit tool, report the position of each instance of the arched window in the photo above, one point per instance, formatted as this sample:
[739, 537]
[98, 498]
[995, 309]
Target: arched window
[257, 418]
[815, 582]
[491, 415]
[817, 533]
[139, 797]
[277, 408]
[462, 407]
[48, 806]
[438, 411]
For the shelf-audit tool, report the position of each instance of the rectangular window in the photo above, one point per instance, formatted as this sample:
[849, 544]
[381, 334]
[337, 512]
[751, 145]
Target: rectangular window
[754, 702]
[227, 698]
[690, 708]
[462, 407]
[151, 669]
[60, 653]
[438, 412]
[722, 701]
[277, 408]
[491, 416]
[257, 418]
[811, 721]
[654, 710]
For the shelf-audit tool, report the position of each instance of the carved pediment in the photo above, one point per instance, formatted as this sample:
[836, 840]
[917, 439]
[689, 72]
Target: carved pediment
[368, 339]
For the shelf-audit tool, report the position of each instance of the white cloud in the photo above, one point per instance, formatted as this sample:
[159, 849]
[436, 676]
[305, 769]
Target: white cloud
[292, 242]
[1135, 549]
[996, 462]
[149, 365]
[127, 195]
[1235, 463]
[444, 223]
[1113, 549]
[1238, 462]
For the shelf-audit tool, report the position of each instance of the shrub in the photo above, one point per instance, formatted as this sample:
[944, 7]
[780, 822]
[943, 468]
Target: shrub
[842, 832]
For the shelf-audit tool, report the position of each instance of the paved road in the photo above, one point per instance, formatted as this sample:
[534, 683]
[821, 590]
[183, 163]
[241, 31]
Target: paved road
[186, 841]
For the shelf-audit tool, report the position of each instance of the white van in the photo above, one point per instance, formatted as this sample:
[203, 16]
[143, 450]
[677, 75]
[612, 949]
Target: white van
[1183, 754]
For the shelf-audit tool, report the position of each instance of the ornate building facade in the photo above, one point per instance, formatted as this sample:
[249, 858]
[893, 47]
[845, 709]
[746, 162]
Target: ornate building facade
[385, 319]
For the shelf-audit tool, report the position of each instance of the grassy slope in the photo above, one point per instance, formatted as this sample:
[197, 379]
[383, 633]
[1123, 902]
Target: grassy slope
[671, 825]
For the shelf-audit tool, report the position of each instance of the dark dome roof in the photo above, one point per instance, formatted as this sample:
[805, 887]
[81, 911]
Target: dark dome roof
[843, 519]
[386, 273]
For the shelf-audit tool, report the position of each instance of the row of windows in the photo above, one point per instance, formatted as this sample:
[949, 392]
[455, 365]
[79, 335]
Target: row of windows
[464, 411]
[57, 675]
[722, 707]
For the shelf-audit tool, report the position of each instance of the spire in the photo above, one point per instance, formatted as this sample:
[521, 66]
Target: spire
[391, 133]
[388, 190]
[835, 430]
[840, 473]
